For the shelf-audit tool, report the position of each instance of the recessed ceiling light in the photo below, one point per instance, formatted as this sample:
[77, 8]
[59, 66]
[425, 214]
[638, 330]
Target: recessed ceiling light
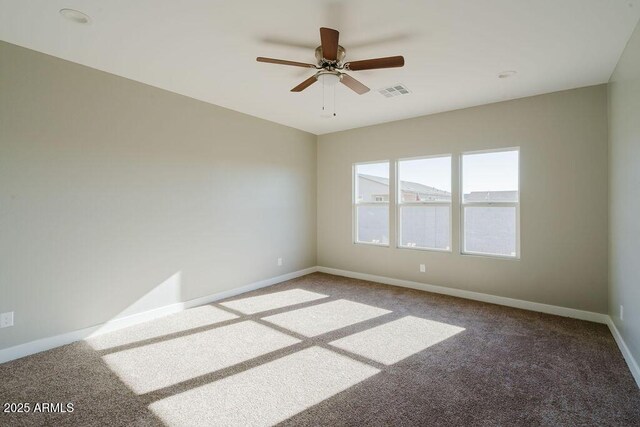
[506, 74]
[75, 16]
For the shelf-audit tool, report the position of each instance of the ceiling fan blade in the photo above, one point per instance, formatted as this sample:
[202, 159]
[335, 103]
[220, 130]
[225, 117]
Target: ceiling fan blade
[353, 84]
[305, 84]
[283, 62]
[329, 41]
[372, 64]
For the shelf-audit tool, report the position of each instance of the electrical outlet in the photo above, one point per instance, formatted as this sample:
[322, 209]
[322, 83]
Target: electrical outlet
[423, 268]
[621, 312]
[279, 261]
[6, 319]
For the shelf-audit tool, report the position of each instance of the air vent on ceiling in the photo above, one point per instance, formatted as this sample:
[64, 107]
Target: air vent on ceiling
[395, 90]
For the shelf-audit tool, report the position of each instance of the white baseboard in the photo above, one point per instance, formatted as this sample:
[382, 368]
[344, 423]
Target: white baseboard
[477, 296]
[631, 361]
[48, 343]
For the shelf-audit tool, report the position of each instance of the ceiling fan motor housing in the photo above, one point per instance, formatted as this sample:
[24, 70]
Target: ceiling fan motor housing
[323, 62]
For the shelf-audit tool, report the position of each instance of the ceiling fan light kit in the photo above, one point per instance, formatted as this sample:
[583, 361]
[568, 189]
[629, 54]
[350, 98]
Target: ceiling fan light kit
[330, 63]
[328, 78]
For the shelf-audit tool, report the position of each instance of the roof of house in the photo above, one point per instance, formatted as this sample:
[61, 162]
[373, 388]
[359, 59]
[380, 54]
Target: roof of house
[408, 186]
[474, 196]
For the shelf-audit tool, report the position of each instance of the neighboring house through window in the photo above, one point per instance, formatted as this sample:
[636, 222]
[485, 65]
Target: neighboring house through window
[371, 203]
[424, 203]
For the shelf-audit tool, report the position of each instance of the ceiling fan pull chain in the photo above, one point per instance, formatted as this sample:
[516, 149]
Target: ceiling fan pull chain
[322, 94]
[334, 100]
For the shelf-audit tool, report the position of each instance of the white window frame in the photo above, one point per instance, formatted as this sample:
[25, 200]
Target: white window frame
[464, 204]
[355, 204]
[400, 204]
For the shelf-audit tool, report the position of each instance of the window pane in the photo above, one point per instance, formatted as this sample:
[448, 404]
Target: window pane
[373, 224]
[425, 227]
[425, 180]
[490, 230]
[490, 177]
[372, 182]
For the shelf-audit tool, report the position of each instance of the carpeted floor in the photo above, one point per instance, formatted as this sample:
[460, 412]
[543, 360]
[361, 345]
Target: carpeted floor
[326, 350]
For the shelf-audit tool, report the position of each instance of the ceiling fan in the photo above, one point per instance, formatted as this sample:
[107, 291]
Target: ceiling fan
[330, 63]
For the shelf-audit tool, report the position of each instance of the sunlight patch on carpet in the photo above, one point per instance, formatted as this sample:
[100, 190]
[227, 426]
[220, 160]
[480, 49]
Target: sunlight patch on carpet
[155, 366]
[266, 394]
[179, 322]
[272, 301]
[323, 318]
[397, 340]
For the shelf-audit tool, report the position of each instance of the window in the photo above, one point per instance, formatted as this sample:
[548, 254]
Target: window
[424, 203]
[491, 203]
[371, 203]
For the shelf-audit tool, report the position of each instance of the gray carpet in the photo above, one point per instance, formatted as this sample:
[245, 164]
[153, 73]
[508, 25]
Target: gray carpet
[326, 350]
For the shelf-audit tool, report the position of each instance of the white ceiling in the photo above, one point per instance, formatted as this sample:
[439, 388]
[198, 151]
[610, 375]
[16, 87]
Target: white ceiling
[453, 49]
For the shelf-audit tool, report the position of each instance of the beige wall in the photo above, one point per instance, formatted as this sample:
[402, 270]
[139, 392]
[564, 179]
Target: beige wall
[111, 190]
[116, 197]
[563, 142]
[624, 199]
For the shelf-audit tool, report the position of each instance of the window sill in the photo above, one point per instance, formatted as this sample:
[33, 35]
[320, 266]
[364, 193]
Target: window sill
[446, 251]
[495, 256]
[380, 245]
